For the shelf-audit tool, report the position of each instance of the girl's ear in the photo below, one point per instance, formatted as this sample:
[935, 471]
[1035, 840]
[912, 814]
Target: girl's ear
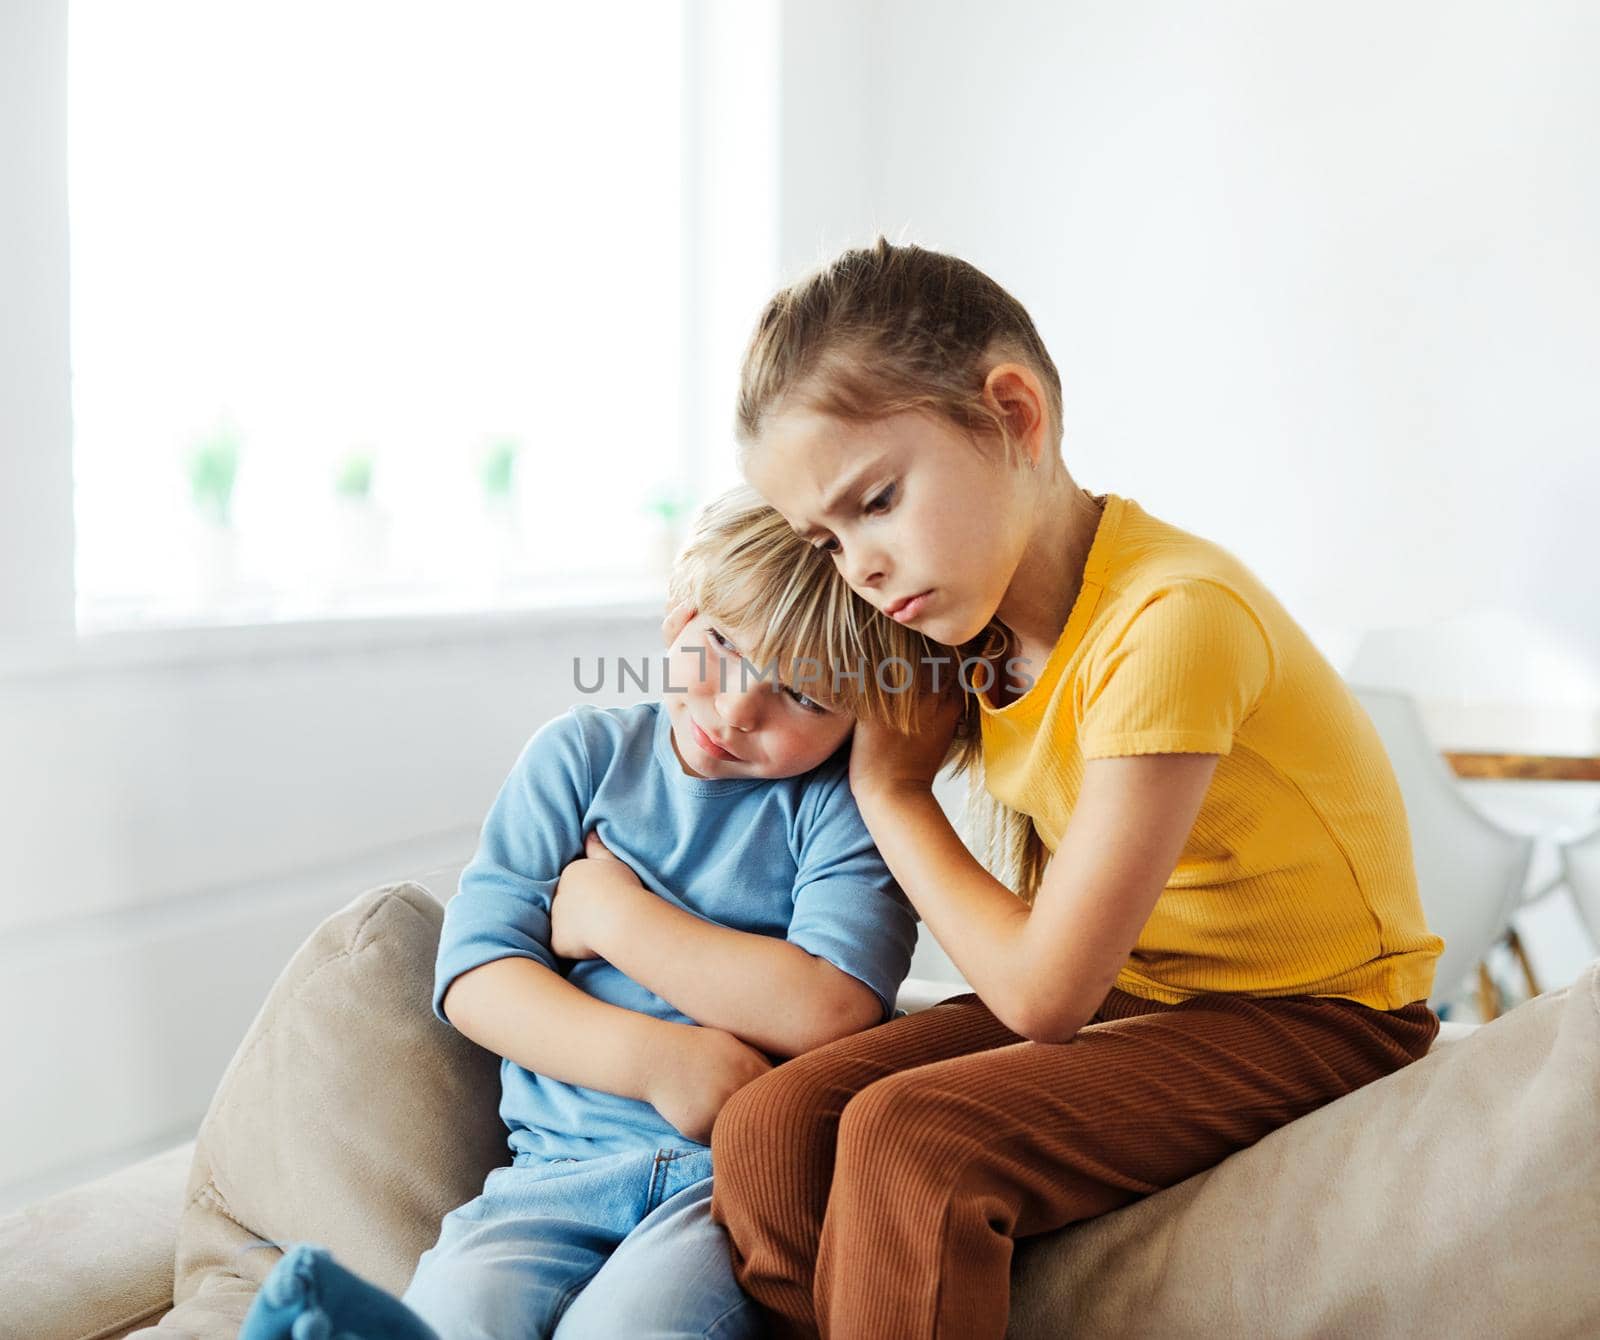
[1015, 394]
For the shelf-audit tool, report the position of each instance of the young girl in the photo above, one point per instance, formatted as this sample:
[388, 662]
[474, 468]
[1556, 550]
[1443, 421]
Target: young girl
[664, 896]
[1208, 922]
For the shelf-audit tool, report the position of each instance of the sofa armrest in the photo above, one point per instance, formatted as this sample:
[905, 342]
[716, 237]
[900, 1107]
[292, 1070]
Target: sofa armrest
[95, 1261]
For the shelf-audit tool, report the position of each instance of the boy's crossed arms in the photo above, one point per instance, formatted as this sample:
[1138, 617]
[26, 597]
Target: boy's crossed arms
[750, 993]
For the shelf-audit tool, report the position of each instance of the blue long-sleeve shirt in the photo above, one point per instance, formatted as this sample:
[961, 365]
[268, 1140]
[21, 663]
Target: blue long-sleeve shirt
[789, 858]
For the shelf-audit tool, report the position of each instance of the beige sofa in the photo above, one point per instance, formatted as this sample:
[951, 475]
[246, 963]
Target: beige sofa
[1459, 1197]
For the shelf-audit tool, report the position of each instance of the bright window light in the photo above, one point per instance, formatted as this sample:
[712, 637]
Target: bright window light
[376, 308]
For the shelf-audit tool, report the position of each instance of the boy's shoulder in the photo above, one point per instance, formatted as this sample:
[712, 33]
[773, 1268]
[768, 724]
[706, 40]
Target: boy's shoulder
[825, 790]
[593, 737]
[621, 722]
[604, 732]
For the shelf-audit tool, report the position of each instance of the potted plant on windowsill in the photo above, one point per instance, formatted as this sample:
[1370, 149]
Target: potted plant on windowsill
[212, 466]
[363, 526]
[669, 513]
[497, 474]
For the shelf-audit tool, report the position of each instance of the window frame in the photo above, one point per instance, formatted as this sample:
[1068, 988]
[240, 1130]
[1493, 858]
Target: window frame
[39, 629]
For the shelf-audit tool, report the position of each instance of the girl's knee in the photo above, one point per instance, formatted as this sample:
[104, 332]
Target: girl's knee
[898, 1120]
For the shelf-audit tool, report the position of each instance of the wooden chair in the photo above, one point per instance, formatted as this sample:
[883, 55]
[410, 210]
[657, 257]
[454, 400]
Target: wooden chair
[1580, 871]
[1470, 871]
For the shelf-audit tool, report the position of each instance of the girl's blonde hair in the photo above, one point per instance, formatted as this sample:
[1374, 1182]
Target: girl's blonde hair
[887, 329]
[884, 329]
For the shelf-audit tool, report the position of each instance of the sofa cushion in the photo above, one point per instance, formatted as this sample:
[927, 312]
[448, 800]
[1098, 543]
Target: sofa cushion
[1459, 1196]
[1455, 1197]
[349, 1116]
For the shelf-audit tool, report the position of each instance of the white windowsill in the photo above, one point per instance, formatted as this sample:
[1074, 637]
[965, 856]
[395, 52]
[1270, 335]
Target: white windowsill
[300, 639]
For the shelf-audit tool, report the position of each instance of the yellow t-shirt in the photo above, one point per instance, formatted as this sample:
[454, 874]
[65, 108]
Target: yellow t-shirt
[1297, 878]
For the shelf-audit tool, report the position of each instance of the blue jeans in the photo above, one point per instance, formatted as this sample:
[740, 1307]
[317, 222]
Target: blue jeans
[619, 1245]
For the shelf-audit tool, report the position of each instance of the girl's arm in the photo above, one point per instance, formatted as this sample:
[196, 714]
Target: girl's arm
[1044, 970]
[769, 992]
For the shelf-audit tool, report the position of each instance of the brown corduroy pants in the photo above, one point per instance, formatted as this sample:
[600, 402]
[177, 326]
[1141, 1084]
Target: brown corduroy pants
[873, 1188]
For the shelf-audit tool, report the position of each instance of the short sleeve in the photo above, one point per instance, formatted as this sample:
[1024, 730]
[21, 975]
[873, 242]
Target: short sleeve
[847, 907]
[533, 831]
[1180, 677]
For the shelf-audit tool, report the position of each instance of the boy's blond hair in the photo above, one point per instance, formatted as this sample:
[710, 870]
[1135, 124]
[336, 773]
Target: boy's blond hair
[743, 565]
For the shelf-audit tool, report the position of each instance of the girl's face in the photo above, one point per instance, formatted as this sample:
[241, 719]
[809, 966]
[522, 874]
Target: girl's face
[925, 525]
[729, 722]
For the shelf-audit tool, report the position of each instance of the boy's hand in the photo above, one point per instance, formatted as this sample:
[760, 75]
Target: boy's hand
[882, 760]
[596, 850]
[570, 909]
[585, 896]
[700, 1076]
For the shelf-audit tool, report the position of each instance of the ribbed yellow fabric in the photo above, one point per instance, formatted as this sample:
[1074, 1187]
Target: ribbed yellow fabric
[1297, 878]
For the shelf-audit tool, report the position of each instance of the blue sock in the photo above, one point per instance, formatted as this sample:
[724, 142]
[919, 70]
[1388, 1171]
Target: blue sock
[310, 1296]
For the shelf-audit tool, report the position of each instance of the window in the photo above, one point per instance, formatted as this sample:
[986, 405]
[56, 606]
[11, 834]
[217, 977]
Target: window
[382, 308]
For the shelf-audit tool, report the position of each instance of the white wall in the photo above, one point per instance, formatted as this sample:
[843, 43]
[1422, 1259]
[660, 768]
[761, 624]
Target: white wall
[174, 827]
[35, 401]
[1322, 281]
[827, 148]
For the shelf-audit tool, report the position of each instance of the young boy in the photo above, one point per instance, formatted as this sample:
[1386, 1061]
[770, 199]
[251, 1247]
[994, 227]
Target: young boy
[664, 896]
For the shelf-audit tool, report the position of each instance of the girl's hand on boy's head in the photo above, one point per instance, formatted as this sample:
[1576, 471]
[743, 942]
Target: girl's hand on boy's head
[883, 761]
[678, 618]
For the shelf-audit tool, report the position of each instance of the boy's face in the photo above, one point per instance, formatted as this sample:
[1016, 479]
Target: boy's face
[727, 722]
